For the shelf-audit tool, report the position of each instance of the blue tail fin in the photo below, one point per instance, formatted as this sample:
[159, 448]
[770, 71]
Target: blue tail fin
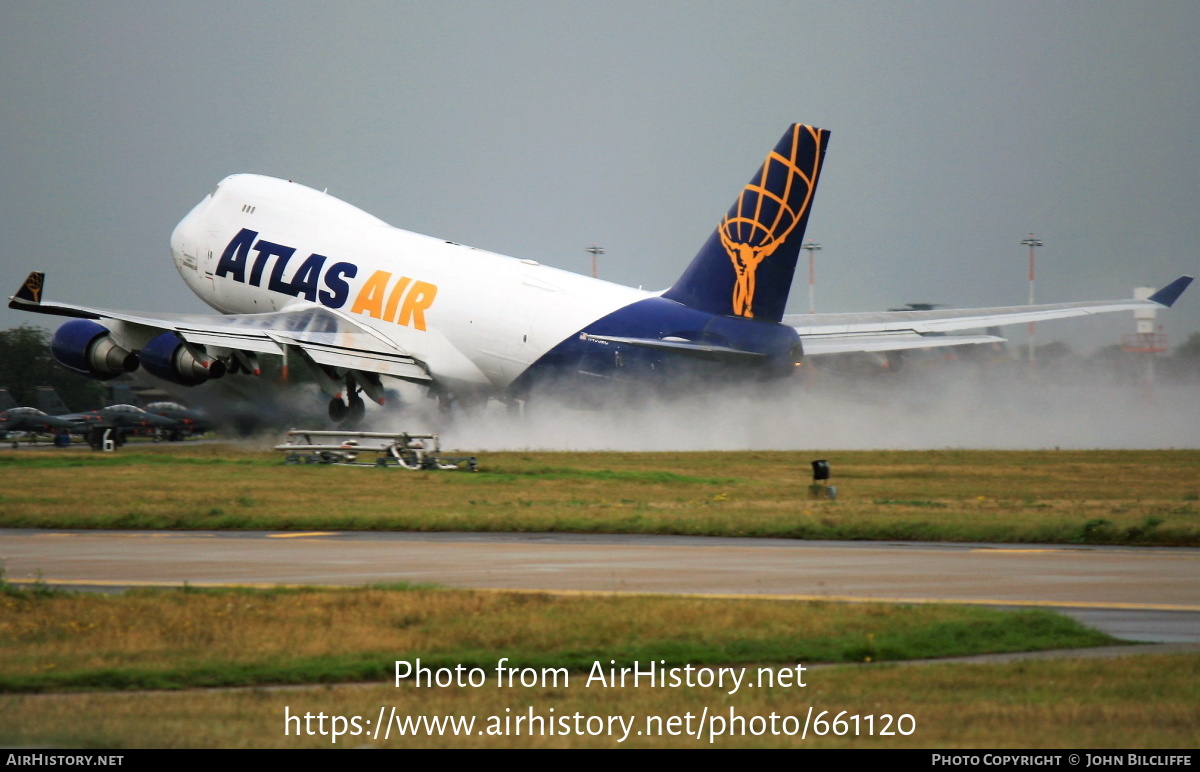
[746, 266]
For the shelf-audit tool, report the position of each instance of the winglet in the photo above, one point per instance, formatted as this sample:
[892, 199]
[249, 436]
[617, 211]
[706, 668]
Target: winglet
[30, 292]
[1170, 293]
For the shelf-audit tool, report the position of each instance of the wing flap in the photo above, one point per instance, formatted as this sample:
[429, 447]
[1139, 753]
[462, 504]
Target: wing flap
[394, 364]
[817, 345]
[259, 344]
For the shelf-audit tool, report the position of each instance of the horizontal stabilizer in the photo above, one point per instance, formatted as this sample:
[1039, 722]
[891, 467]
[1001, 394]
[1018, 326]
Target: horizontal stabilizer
[705, 350]
[817, 345]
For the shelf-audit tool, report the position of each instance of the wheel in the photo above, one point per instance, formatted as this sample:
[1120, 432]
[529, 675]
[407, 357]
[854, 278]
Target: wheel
[406, 457]
[356, 410]
[337, 410]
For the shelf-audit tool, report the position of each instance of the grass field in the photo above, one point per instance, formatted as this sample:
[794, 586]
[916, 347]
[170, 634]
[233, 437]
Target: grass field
[176, 640]
[1096, 497]
[183, 638]
[116, 647]
[1127, 703]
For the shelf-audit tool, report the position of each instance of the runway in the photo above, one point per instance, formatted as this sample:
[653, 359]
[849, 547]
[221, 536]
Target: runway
[1137, 593]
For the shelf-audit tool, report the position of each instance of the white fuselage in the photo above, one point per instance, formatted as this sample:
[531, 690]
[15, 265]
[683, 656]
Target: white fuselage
[476, 319]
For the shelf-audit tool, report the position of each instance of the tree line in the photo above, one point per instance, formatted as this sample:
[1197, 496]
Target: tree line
[26, 363]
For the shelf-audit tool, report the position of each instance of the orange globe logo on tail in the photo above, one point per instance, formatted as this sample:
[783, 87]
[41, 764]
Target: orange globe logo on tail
[766, 212]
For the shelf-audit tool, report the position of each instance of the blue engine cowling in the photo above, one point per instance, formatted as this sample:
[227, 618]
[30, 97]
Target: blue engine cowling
[167, 358]
[85, 347]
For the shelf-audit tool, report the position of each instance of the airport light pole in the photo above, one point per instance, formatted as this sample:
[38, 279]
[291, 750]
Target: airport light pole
[1033, 243]
[595, 250]
[811, 246]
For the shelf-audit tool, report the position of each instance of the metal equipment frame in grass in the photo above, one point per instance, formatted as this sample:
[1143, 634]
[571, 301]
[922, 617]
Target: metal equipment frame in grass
[400, 450]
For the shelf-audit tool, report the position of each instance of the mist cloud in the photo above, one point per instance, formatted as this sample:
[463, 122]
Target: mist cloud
[948, 408]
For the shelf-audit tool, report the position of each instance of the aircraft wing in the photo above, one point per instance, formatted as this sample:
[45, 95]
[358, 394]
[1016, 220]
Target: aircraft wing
[326, 336]
[893, 330]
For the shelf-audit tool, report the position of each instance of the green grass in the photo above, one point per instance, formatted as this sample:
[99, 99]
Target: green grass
[1068, 497]
[52, 640]
[191, 638]
[1131, 703]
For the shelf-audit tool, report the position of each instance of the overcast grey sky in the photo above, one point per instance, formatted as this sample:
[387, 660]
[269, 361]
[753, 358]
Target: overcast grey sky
[537, 128]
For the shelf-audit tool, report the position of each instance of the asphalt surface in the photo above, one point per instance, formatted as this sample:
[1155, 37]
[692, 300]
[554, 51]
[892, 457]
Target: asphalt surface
[1135, 593]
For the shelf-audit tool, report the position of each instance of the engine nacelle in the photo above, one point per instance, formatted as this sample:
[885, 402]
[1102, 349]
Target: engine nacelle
[166, 357]
[85, 347]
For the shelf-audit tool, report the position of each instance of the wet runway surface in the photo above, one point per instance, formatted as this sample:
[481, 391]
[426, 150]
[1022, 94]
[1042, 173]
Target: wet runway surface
[1136, 593]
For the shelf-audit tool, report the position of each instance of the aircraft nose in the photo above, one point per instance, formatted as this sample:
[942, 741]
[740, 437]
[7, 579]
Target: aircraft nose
[179, 236]
[185, 238]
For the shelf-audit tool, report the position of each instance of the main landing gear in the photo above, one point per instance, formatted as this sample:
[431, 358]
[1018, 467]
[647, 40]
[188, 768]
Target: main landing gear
[352, 410]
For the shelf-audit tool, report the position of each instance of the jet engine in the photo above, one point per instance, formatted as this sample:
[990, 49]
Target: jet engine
[88, 348]
[167, 357]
